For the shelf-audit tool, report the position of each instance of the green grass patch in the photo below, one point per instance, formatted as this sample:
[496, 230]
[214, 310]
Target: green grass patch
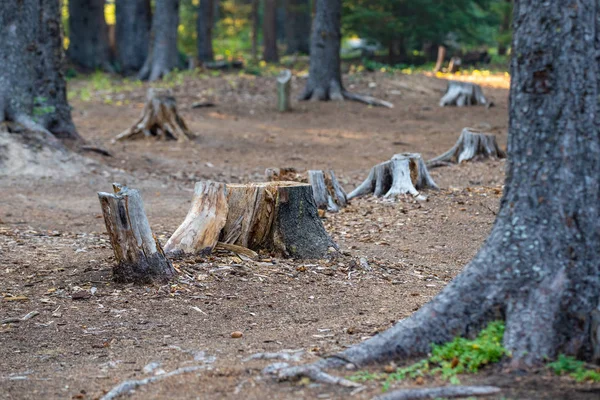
[576, 369]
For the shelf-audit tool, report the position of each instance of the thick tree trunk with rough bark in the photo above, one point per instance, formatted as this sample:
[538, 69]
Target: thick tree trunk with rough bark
[134, 18]
[270, 53]
[89, 47]
[539, 268]
[163, 56]
[297, 26]
[204, 25]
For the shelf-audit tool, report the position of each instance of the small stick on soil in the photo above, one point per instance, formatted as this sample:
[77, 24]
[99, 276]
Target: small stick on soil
[440, 392]
[14, 320]
[127, 386]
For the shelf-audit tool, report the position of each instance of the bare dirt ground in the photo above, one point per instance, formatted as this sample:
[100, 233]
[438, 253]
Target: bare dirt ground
[91, 333]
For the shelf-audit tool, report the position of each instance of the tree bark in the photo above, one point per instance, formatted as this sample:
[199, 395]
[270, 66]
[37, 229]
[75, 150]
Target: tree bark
[204, 31]
[89, 47]
[441, 56]
[538, 269]
[163, 55]
[134, 18]
[297, 26]
[270, 53]
[255, 23]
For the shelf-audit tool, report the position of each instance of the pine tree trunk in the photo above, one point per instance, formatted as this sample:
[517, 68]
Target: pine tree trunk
[132, 34]
[204, 31]
[539, 268]
[88, 35]
[297, 26]
[163, 56]
[255, 23]
[270, 53]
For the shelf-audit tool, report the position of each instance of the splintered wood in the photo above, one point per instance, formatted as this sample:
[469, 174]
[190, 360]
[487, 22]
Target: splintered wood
[138, 253]
[159, 119]
[463, 94]
[405, 173]
[471, 145]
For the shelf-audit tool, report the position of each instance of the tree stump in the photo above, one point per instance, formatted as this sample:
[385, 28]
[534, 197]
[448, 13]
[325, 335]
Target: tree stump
[284, 86]
[463, 94]
[327, 192]
[199, 232]
[159, 119]
[279, 217]
[405, 173]
[138, 253]
[470, 145]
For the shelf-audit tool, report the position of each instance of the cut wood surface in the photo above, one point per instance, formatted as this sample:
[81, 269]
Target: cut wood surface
[159, 119]
[405, 173]
[471, 144]
[138, 254]
[463, 94]
[199, 232]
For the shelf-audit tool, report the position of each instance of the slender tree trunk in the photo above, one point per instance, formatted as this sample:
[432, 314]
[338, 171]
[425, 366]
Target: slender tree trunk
[440, 58]
[132, 34]
[88, 35]
[255, 23]
[539, 268]
[163, 56]
[270, 53]
[204, 30]
[297, 26]
[505, 26]
[325, 77]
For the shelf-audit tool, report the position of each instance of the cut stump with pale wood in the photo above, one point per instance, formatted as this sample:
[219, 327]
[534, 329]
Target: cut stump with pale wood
[405, 173]
[139, 256]
[159, 119]
[471, 145]
[284, 87]
[463, 94]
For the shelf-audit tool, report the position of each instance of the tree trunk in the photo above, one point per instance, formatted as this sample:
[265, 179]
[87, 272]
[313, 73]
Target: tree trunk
[441, 56]
[88, 35]
[255, 23]
[32, 87]
[134, 18]
[538, 269]
[163, 56]
[270, 53]
[204, 31]
[297, 26]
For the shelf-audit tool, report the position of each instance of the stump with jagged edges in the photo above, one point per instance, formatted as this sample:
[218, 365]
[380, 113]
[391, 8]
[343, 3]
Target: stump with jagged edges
[404, 173]
[471, 145]
[159, 119]
[139, 256]
[463, 94]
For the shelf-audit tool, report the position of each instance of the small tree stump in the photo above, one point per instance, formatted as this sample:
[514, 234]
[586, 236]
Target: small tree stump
[138, 253]
[279, 217]
[405, 173]
[463, 94]
[159, 119]
[284, 86]
[471, 145]
[327, 192]
[199, 232]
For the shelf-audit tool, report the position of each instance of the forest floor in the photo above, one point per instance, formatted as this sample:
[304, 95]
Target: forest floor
[90, 333]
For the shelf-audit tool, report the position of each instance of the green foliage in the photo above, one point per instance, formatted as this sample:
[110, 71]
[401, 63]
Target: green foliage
[40, 107]
[575, 368]
[448, 360]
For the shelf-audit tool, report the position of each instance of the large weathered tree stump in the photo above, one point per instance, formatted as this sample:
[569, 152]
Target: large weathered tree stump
[471, 145]
[278, 217]
[463, 94]
[199, 232]
[138, 253]
[405, 173]
[284, 87]
[159, 119]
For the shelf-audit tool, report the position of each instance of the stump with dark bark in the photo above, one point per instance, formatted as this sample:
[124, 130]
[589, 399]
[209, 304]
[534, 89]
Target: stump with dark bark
[471, 145]
[463, 94]
[139, 256]
[405, 173]
[159, 119]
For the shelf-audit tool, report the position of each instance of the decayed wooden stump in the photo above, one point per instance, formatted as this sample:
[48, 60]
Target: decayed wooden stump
[138, 253]
[159, 119]
[405, 173]
[463, 94]
[199, 232]
[327, 192]
[471, 145]
[284, 86]
[279, 217]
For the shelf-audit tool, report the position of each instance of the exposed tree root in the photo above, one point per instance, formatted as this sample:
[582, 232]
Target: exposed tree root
[471, 145]
[463, 94]
[405, 173]
[336, 92]
[440, 392]
[127, 386]
[372, 101]
[285, 355]
[283, 372]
